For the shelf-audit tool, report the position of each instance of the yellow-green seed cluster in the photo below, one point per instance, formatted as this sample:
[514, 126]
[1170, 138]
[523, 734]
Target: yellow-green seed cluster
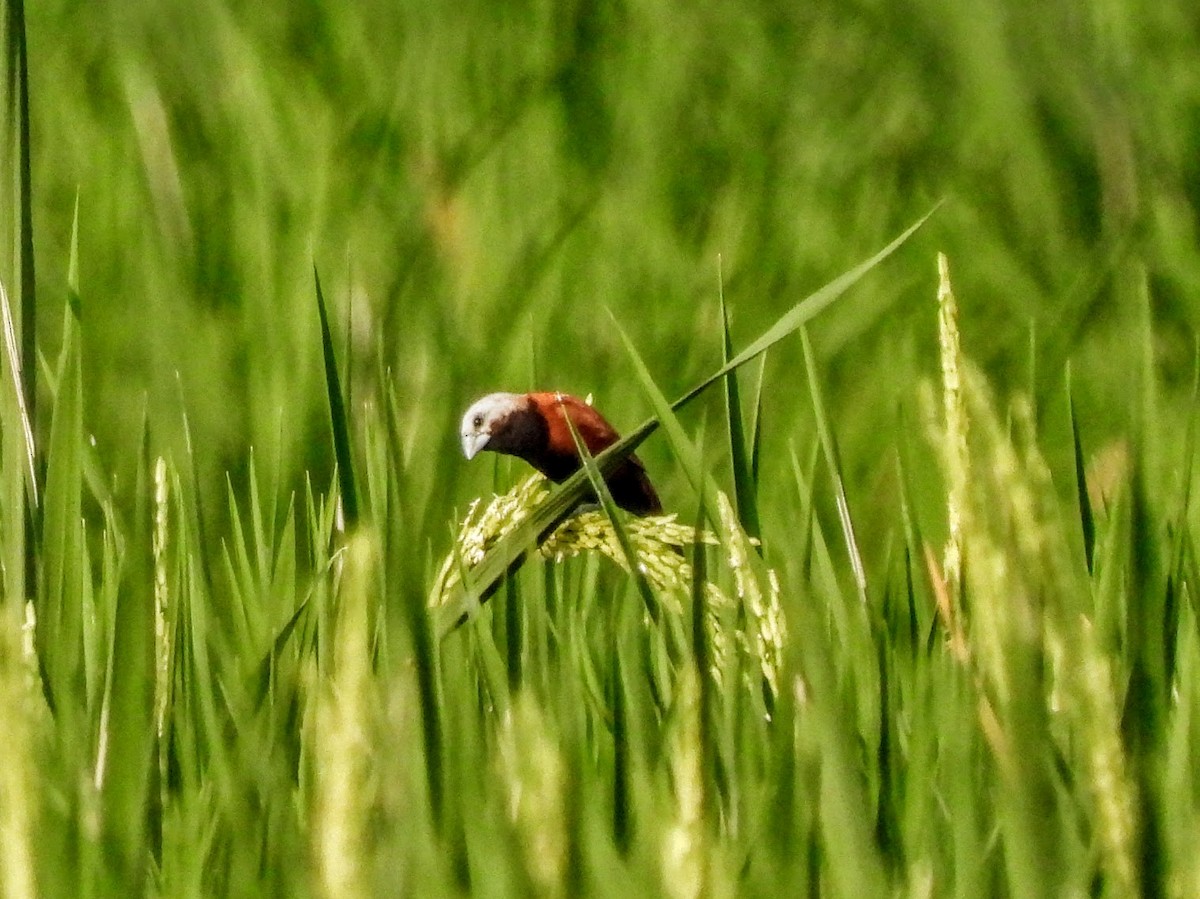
[657, 542]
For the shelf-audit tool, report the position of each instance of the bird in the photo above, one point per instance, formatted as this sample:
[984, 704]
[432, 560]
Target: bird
[533, 427]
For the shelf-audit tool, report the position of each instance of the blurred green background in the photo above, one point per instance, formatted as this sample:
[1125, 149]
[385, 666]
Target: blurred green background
[482, 183]
[484, 187]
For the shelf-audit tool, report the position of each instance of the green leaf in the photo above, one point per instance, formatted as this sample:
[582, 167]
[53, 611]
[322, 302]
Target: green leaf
[745, 487]
[1087, 519]
[600, 488]
[832, 459]
[337, 416]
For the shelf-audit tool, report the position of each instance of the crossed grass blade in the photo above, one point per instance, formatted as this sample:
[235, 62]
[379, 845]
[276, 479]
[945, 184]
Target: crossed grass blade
[510, 552]
[600, 487]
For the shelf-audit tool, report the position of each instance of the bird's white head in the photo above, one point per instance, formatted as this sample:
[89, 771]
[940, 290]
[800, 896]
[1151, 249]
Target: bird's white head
[481, 420]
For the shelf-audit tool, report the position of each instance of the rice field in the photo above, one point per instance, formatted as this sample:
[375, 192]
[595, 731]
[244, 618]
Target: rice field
[896, 303]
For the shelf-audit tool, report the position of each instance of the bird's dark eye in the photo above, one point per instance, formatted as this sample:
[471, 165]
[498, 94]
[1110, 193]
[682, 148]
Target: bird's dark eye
[477, 421]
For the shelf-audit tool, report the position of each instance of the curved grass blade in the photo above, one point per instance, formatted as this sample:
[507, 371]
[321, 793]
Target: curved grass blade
[337, 417]
[509, 553]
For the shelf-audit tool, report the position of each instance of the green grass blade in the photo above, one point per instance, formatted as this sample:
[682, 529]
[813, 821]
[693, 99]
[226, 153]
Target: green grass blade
[1087, 518]
[129, 733]
[702, 663]
[61, 519]
[756, 419]
[600, 488]
[19, 67]
[829, 448]
[745, 487]
[806, 310]
[339, 421]
[622, 789]
[1186, 468]
[17, 52]
[425, 662]
[685, 452]
[19, 375]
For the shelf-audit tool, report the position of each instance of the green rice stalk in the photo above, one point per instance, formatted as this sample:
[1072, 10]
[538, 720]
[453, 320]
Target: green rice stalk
[18, 780]
[766, 629]
[338, 417]
[1087, 516]
[741, 454]
[12, 353]
[163, 638]
[656, 541]
[1037, 658]
[833, 461]
[21, 507]
[533, 773]
[632, 562]
[686, 854]
[340, 736]
[955, 422]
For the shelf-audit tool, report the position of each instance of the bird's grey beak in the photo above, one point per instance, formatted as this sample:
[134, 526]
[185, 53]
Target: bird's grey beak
[473, 443]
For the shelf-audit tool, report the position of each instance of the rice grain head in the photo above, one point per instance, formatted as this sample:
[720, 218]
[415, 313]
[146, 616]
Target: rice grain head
[657, 542]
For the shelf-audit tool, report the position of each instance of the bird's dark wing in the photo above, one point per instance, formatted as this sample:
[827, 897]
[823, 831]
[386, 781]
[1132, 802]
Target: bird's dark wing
[595, 432]
[630, 485]
[631, 488]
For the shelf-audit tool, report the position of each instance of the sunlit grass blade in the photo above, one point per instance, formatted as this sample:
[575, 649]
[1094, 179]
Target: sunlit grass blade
[339, 420]
[509, 552]
[19, 770]
[833, 461]
[604, 495]
[19, 377]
